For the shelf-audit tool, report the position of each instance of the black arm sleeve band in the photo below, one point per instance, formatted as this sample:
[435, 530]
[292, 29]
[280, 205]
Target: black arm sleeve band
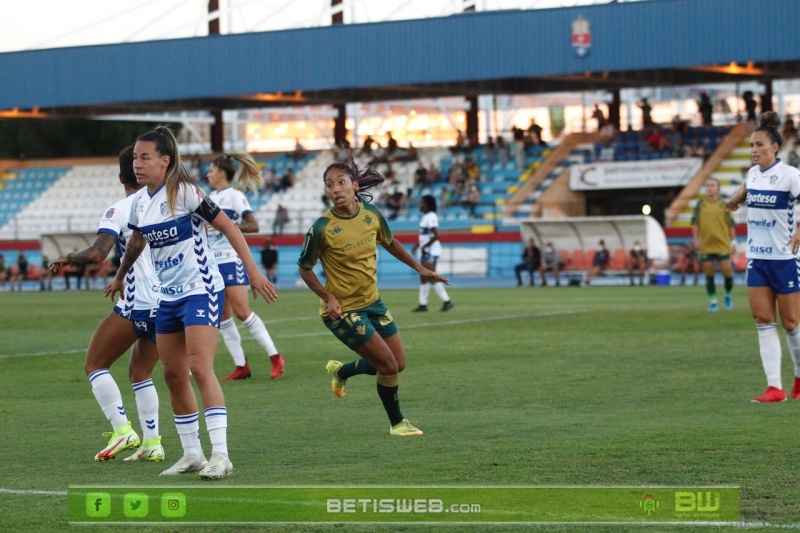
[207, 210]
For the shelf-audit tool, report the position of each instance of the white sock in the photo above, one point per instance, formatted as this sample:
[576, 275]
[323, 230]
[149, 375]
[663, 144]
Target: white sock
[793, 341]
[232, 340]
[147, 405]
[440, 291]
[259, 331]
[107, 394]
[189, 431]
[770, 347]
[424, 290]
[217, 424]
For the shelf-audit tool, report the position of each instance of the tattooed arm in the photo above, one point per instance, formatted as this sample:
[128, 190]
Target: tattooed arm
[94, 254]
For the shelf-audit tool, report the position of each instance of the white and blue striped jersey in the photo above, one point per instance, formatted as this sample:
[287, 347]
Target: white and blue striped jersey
[178, 243]
[236, 206]
[141, 283]
[429, 221]
[771, 197]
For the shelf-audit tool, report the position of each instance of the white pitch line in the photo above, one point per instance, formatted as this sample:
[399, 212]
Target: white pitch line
[27, 491]
[405, 327]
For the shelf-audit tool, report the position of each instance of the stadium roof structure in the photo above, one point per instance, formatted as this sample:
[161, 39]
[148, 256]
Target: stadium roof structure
[586, 48]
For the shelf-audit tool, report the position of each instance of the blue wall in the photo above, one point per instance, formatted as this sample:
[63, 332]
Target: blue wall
[475, 46]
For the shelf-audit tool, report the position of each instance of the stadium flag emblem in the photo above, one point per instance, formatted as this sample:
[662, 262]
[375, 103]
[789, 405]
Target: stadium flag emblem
[581, 36]
[649, 503]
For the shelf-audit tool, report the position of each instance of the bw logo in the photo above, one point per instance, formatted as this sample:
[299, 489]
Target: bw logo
[704, 502]
[201, 313]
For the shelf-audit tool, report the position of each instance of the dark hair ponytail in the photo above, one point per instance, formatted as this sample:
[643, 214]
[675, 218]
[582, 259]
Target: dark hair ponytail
[366, 178]
[769, 123]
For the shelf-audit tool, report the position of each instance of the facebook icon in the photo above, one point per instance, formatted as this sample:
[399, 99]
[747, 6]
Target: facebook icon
[98, 504]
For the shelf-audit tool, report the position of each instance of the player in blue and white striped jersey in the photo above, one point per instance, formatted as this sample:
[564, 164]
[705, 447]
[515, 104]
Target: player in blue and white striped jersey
[170, 214]
[770, 191]
[221, 176]
[131, 323]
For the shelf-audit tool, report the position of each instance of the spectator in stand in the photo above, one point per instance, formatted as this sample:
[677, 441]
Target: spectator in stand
[637, 262]
[607, 151]
[366, 148]
[647, 109]
[287, 181]
[472, 170]
[299, 151]
[421, 179]
[656, 141]
[471, 198]
[531, 262]
[599, 262]
[706, 108]
[19, 273]
[394, 203]
[750, 106]
[551, 262]
[446, 197]
[281, 219]
[270, 180]
[714, 235]
[461, 143]
[598, 116]
[433, 174]
[269, 260]
[674, 140]
[535, 133]
[390, 175]
[456, 174]
[688, 262]
[404, 156]
[608, 132]
[517, 147]
[391, 144]
[490, 150]
[45, 276]
[503, 151]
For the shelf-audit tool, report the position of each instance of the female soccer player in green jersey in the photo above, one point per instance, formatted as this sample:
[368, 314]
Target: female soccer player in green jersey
[345, 239]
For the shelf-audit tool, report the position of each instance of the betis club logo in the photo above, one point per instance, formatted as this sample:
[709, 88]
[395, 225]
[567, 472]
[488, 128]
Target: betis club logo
[581, 36]
[649, 503]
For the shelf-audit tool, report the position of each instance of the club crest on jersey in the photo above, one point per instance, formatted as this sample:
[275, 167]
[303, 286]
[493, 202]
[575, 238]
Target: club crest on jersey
[110, 213]
[368, 219]
[164, 210]
[773, 179]
[337, 229]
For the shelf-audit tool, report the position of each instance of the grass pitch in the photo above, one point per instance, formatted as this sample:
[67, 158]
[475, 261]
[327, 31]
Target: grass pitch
[597, 386]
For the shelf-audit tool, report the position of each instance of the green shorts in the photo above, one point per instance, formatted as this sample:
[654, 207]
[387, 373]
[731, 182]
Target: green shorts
[357, 326]
[714, 257]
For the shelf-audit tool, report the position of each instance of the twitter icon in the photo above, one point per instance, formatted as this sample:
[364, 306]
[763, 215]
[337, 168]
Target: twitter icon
[134, 505]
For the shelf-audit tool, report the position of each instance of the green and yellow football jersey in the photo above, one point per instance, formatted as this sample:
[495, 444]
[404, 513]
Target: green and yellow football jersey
[347, 248]
[714, 225]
